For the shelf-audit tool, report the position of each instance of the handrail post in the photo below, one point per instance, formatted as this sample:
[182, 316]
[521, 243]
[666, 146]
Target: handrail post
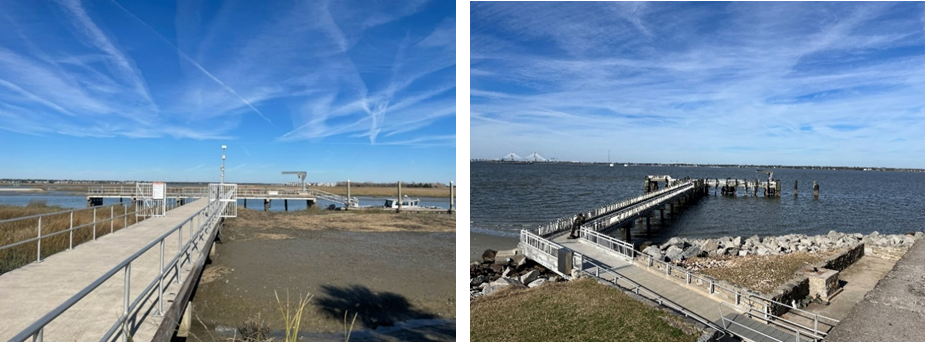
[128, 280]
[71, 229]
[112, 215]
[38, 252]
[39, 335]
[160, 283]
[124, 217]
[94, 223]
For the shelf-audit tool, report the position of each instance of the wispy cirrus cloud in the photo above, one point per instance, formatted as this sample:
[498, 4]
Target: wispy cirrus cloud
[686, 82]
[309, 70]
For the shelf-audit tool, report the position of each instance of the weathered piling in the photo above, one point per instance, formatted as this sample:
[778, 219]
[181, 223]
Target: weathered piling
[450, 211]
[266, 204]
[399, 198]
[794, 188]
[815, 189]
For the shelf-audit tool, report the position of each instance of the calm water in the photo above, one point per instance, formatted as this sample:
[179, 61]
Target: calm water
[66, 200]
[508, 197]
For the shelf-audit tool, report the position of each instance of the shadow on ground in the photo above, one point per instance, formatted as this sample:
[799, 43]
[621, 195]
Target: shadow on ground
[380, 309]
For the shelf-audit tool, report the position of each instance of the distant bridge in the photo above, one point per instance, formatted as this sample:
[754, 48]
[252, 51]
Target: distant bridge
[533, 158]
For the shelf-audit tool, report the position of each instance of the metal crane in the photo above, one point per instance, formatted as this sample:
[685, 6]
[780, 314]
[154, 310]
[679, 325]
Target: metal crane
[300, 174]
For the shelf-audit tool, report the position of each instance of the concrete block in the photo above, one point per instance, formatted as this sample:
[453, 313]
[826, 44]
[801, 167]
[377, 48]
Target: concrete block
[822, 282]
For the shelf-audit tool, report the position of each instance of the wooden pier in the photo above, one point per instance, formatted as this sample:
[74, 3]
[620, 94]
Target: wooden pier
[181, 195]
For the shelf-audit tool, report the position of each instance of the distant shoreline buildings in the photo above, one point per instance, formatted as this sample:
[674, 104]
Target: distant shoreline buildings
[795, 167]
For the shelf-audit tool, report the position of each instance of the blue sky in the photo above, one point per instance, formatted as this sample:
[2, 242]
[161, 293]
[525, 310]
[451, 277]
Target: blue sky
[359, 90]
[757, 83]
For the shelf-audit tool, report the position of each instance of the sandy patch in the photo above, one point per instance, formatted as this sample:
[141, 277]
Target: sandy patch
[213, 273]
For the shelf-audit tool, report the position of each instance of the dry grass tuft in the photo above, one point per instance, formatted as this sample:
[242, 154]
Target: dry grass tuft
[762, 273]
[582, 310]
[18, 256]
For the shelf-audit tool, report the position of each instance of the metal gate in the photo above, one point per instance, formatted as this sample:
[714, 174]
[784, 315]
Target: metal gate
[227, 195]
[151, 198]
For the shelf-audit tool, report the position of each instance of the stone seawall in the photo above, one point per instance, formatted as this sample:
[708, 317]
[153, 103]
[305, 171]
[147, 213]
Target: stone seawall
[678, 249]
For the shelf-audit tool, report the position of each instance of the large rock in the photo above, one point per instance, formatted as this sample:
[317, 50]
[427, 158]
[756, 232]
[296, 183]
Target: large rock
[737, 241]
[489, 255]
[654, 251]
[691, 252]
[536, 283]
[676, 242]
[478, 280]
[505, 256]
[500, 284]
[674, 253]
[710, 245]
[518, 260]
[529, 277]
[919, 235]
[743, 253]
[763, 251]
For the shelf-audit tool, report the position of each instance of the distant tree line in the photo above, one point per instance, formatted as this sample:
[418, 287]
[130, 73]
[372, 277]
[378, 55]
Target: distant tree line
[395, 184]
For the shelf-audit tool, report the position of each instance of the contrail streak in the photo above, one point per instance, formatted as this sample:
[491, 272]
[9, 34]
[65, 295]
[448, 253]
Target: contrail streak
[194, 63]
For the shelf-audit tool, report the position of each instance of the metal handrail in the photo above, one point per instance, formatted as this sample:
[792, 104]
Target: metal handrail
[723, 318]
[564, 223]
[637, 208]
[795, 326]
[622, 247]
[54, 213]
[210, 212]
[752, 298]
[72, 228]
[636, 287]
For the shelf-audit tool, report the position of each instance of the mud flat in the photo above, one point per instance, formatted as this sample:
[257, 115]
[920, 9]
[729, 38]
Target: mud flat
[389, 269]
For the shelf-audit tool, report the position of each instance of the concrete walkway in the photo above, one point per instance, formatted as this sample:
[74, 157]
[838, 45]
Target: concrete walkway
[28, 293]
[691, 300]
[895, 309]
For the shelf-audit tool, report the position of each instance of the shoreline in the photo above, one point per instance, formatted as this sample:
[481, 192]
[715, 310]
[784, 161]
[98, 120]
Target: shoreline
[22, 190]
[479, 242]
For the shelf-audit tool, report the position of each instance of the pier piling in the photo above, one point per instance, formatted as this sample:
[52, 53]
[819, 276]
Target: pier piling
[794, 188]
[815, 189]
[399, 198]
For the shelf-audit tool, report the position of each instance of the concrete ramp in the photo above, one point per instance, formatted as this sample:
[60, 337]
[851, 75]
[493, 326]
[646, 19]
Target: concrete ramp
[751, 330]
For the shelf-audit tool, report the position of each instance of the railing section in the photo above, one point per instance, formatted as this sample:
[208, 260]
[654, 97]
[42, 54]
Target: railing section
[200, 225]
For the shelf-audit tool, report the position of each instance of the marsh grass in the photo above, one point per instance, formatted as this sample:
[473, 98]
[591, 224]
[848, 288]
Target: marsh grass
[292, 316]
[21, 230]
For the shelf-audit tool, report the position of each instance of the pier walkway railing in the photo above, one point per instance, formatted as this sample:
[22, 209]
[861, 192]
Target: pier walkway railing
[201, 226]
[49, 225]
[565, 223]
[254, 193]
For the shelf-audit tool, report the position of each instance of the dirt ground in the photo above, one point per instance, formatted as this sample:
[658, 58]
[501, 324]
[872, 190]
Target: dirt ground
[389, 269]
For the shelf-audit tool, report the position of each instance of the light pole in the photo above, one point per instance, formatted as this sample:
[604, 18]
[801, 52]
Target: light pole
[223, 164]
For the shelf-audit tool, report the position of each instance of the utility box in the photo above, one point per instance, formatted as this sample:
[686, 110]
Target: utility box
[566, 256]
